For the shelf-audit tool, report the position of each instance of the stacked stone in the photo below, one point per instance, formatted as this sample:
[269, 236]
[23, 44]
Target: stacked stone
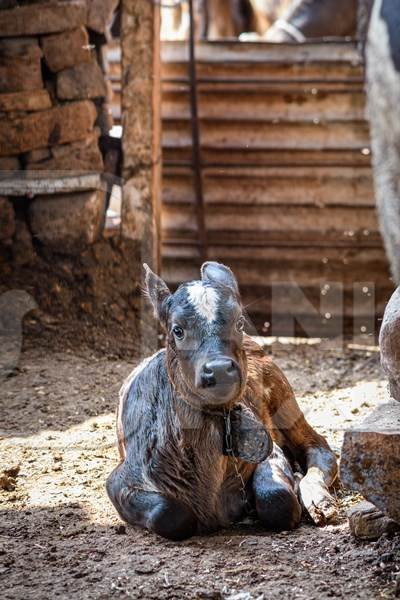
[52, 97]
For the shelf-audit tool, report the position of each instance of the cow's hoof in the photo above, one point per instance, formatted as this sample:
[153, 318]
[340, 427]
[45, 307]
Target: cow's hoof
[320, 505]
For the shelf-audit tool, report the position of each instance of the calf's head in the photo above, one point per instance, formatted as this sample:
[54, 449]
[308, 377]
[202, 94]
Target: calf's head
[204, 325]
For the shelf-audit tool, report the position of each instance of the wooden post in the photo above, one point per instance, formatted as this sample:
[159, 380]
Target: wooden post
[141, 120]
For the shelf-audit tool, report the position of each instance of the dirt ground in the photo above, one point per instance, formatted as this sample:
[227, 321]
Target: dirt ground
[60, 536]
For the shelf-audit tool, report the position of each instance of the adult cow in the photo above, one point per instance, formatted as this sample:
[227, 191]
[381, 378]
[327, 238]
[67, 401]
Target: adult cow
[306, 19]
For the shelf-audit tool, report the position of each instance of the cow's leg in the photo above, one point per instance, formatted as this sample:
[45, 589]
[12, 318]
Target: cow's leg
[274, 488]
[168, 517]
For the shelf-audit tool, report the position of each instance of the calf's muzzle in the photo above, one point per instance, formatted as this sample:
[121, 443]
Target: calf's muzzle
[219, 377]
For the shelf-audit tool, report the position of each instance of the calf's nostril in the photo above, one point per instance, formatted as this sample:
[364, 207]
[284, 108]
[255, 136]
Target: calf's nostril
[231, 367]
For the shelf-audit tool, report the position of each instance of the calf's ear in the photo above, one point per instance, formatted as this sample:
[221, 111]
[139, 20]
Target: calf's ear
[215, 272]
[157, 291]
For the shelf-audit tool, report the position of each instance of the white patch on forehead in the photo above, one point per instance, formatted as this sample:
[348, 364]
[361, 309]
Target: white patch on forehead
[204, 300]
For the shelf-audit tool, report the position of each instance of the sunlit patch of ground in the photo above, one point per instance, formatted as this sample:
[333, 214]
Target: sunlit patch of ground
[60, 536]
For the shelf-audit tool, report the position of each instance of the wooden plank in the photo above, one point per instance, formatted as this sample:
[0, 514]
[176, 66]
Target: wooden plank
[292, 157]
[294, 220]
[264, 52]
[347, 186]
[265, 274]
[141, 142]
[316, 87]
[234, 54]
[316, 73]
[338, 256]
[269, 135]
[258, 105]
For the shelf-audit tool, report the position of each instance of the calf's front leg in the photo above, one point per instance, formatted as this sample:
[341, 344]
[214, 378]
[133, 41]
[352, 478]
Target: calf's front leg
[314, 486]
[309, 449]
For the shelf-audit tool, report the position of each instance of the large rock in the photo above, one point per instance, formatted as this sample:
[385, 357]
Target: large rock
[370, 460]
[78, 156]
[7, 221]
[68, 222]
[20, 68]
[83, 81]
[383, 95]
[389, 343]
[367, 522]
[25, 101]
[59, 125]
[42, 17]
[64, 50]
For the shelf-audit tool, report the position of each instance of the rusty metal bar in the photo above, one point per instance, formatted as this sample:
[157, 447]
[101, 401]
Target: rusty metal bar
[196, 152]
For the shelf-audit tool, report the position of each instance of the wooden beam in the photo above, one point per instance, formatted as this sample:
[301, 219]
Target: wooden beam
[140, 40]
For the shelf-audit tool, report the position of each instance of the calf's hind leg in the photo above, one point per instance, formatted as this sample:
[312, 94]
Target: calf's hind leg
[167, 517]
[274, 488]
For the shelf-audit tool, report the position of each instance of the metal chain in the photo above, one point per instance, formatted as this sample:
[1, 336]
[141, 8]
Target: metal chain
[230, 452]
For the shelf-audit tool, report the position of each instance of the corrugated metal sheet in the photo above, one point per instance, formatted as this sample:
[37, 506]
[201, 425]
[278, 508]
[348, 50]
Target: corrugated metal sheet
[287, 178]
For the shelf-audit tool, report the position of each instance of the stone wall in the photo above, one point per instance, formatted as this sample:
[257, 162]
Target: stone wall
[54, 113]
[51, 88]
[54, 123]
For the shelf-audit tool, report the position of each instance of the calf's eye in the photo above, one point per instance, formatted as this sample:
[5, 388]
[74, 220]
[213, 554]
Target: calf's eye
[240, 324]
[178, 332]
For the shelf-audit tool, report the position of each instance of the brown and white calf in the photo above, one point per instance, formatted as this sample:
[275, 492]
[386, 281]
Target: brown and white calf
[179, 474]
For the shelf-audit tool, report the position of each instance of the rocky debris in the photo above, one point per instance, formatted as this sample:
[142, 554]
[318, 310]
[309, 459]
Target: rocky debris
[7, 221]
[68, 222]
[58, 125]
[389, 340]
[8, 478]
[42, 17]
[370, 460]
[82, 81]
[367, 522]
[67, 49]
